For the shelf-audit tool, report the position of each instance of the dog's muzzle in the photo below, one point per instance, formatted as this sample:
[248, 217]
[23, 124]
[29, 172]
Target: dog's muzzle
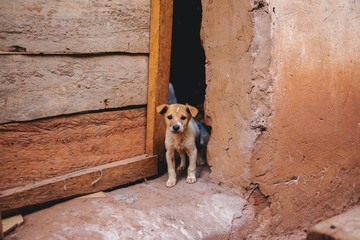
[176, 128]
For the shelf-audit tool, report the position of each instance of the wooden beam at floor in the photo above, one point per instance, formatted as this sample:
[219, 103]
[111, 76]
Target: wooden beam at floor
[159, 72]
[90, 180]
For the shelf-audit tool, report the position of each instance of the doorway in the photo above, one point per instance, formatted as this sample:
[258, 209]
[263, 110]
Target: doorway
[187, 68]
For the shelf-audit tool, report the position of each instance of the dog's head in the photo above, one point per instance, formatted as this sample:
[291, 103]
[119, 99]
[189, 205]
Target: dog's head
[177, 116]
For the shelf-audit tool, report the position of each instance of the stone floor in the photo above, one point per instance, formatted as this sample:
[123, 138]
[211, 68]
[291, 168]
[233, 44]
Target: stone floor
[147, 210]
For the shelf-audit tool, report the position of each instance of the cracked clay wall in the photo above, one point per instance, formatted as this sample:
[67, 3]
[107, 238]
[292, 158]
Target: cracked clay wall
[283, 100]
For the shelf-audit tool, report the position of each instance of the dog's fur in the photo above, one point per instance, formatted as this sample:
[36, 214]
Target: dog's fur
[181, 135]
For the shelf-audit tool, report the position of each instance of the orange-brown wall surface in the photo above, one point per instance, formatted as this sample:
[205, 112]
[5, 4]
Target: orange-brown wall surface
[227, 35]
[283, 98]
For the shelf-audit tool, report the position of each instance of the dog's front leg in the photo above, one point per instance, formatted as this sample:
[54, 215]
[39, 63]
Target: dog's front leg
[170, 160]
[191, 178]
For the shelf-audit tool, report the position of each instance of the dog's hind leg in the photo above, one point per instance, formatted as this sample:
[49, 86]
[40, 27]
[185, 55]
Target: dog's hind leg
[170, 160]
[182, 162]
[199, 160]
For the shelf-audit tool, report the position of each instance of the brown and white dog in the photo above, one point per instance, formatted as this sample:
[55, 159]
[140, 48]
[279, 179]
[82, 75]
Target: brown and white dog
[181, 135]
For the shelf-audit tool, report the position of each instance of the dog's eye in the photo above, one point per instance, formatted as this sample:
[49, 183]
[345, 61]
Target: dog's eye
[183, 118]
[169, 117]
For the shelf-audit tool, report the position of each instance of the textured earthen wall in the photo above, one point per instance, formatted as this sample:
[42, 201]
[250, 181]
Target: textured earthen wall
[308, 161]
[227, 35]
[295, 131]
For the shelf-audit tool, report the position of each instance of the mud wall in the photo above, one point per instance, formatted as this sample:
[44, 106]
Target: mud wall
[227, 35]
[283, 100]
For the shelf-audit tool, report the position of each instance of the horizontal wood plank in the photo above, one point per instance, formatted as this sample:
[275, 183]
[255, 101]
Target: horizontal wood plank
[34, 87]
[34, 151]
[81, 182]
[75, 26]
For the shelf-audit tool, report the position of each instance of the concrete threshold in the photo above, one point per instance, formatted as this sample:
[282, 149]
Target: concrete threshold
[149, 210]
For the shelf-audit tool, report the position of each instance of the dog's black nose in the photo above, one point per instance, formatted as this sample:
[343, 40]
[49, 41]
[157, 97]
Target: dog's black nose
[176, 128]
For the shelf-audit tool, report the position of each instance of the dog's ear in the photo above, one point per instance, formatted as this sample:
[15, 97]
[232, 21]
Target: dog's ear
[162, 109]
[192, 110]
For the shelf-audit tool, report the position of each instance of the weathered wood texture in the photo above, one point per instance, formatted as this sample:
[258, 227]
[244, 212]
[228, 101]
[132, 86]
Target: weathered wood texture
[75, 26]
[81, 182]
[345, 226]
[159, 72]
[34, 87]
[10, 223]
[38, 150]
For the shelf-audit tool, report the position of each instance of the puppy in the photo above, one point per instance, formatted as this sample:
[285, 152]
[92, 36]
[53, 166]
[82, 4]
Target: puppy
[181, 135]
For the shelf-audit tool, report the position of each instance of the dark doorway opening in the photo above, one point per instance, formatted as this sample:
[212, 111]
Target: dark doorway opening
[187, 68]
[187, 71]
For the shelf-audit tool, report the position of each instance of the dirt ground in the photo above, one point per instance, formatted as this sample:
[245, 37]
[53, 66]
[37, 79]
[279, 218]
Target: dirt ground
[147, 210]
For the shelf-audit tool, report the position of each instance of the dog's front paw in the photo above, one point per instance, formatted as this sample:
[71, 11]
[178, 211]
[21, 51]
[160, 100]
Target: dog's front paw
[191, 179]
[171, 182]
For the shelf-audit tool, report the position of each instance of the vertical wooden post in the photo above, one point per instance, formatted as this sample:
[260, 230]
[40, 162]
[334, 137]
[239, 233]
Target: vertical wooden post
[159, 72]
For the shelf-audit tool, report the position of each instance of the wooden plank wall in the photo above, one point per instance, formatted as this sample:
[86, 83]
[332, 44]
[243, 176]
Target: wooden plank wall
[41, 76]
[73, 95]
[47, 148]
[37, 86]
[75, 26]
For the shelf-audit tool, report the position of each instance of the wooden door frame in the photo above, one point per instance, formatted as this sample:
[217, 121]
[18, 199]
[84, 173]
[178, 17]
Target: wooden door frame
[159, 73]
